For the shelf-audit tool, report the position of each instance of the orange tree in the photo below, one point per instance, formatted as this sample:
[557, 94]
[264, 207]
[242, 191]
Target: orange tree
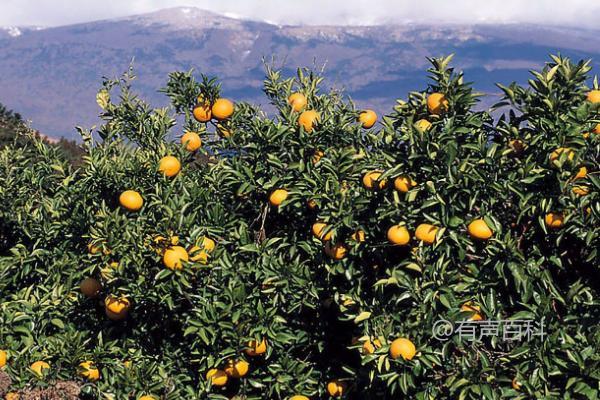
[308, 253]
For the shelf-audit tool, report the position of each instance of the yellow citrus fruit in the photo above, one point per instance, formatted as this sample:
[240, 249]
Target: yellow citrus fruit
[208, 244]
[369, 346]
[131, 200]
[191, 141]
[367, 118]
[89, 371]
[12, 396]
[147, 397]
[308, 120]
[336, 388]
[169, 166]
[3, 357]
[197, 254]
[556, 153]
[318, 231]
[237, 368]
[38, 368]
[426, 233]
[399, 235]
[423, 125]
[93, 249]
[299, 397]
[278, 196]
[404, 348]
[90, 287]
[404, 183]
[116, 308]
[593, 96]
[358, 236]
[202, 112]
[478, 229]
[370, 178]
[597, 129]
[336, 251]
[516, 384]
[581, 173]
[474, 309]
[297, 101]
[222, 109]
[585, 135]
[255, 348]
[581, 190]
[317, 156]
[174, 257]
[217, 377]
[554, 220]
[437, 103]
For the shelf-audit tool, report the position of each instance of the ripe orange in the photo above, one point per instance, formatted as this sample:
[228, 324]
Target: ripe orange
[169, 166]
[426, 233]
[308, 120]
[478, 229]
[336, 388]
[217, 377]
[437, 103]
[12, 396]
[556, 153]
[317, 156]
[554, 220]
[237, 368]
[255, 348]
[3, 357]
[202, 112]
[423, 125]
[297, 101]
[191, 141]
[89, 371]
[336, 251]
[131, 200]
[404, 183]
[299, 397]
[593, 96]
[116, 308]
[597, 129]
[318, 231]
[370, 178]
[402, 347]
[278, 196]
[581, 190]
[147, 397]
[367, 118]
[358, 236]
[222, 109]
[90, 287]
[38, 368]
[174, 257]
[369, 347]
[474, 309]
[398, 235]
[208, 244]
[197, 254]
[581, 173]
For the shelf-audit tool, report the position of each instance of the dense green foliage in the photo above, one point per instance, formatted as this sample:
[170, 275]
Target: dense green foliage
[269, 276]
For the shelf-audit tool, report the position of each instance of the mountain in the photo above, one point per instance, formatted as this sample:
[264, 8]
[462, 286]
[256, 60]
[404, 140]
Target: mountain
[51, 75]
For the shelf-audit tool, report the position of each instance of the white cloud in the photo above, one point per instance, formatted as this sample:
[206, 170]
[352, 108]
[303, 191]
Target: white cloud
[317, 12]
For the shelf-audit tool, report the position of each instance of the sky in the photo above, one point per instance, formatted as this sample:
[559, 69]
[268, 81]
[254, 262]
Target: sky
[582, 13]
